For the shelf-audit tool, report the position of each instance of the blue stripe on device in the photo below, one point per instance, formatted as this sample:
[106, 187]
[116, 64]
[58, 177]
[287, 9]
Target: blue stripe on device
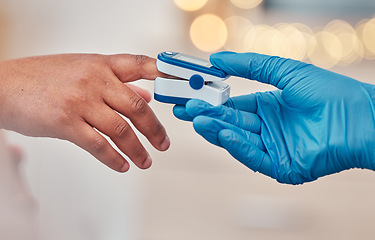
[168, 57]
[169, 99]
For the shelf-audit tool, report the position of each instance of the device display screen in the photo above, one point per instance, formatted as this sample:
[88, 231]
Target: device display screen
[193, 60]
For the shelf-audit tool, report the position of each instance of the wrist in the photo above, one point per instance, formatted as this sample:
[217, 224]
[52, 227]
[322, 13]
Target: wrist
[3, 77]
[8, 79]
[367, 153]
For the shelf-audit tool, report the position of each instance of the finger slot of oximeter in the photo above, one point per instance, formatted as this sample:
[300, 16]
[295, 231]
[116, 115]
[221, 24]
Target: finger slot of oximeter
[195, 78]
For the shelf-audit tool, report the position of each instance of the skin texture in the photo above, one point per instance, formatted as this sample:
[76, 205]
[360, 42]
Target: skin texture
[76, 96]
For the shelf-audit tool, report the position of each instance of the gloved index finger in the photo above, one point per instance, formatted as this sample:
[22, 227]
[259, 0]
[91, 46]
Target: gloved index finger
[244, 120]
[179, 112]
[263, 68]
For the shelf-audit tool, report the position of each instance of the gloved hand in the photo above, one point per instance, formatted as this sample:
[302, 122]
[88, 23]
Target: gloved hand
[317, 123]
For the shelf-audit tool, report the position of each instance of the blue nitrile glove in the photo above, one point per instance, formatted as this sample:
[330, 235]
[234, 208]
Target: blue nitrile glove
[318, 123]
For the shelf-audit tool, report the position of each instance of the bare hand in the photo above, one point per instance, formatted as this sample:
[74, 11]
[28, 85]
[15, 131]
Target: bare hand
[73, 96]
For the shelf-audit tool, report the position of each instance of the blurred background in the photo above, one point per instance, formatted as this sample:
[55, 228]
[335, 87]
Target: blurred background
[194, 190]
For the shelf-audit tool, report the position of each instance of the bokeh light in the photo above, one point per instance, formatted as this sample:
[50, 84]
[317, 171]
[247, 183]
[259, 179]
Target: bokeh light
[256, 40]
[366, 54]
[237, 27]
[368, 36]
[190, 5]
[246, 4]
[351, 46]
[309, 40]
[208, 32]
[336, 43]
[327, 51]
[294, 40]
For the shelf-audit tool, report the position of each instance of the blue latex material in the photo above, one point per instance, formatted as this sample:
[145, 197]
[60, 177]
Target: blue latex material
[168, 57]
[317, 123]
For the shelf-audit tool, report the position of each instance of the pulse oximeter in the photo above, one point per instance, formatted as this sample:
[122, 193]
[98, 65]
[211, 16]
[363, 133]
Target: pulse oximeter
[193, 78]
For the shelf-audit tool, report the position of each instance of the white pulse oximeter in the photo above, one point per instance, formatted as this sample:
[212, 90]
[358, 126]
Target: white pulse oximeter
[195, 78]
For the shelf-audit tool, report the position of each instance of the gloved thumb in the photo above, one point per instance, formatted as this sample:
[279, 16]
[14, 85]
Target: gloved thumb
[263, 68]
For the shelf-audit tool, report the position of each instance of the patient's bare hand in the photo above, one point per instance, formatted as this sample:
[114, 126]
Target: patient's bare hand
[73, 96]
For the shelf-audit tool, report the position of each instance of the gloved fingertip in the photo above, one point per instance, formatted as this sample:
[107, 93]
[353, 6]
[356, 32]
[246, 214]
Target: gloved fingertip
[226, 137]
[180, 113]
[195, 106]
[207, 128]
[200, 123]
[218, 59]
[218, 55]
[178, 110]
[196, 102]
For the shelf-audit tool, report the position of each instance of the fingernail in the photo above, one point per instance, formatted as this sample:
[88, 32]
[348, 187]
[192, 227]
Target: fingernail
[125, 167]
[147, 163]
[165, 144]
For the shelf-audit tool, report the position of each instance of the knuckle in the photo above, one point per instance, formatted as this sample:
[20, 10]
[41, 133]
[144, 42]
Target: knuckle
[98, 144]
[140, 153]
[78, 98]
[140, 156]
[122, 129]
[159, 129]
[137, 104]
[141, 59]
[62, 116]
[90, 71]
[115, 163]
[65, 119]
[87, 79]
[159, 132]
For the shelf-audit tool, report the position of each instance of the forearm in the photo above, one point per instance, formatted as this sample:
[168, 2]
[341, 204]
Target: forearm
[6, 78]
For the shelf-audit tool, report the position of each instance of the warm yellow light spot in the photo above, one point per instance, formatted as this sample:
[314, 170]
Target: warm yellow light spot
[255, 39]
[332, 44]
[277, 42]
[237, 27]
[267, 40]
[346, 35]
[208, 32]
[308, 35]
[303, 28]
[295, 40]
[366, 53]
[368, 35]
[190, 5]
[327, 51]
[352, 49]
[246, 4]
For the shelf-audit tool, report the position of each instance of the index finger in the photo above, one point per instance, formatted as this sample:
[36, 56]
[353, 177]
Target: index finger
[128, 67]
[273, 70]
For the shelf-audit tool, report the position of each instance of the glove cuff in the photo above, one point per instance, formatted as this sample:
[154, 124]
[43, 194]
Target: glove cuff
[368, 160]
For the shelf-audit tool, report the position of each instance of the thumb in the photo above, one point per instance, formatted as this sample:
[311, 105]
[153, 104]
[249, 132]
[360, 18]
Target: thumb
[263, 68]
